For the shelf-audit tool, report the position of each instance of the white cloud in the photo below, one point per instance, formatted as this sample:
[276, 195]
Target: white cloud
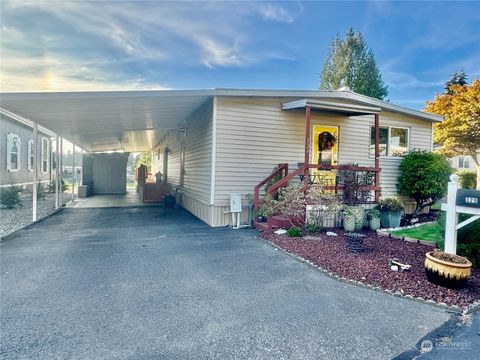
[276, 12]
[403, 80]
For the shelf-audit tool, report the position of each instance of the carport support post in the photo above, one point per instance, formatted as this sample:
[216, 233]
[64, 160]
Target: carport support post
[57, 172]
[35, 172]
[74, 177]
[60, 173]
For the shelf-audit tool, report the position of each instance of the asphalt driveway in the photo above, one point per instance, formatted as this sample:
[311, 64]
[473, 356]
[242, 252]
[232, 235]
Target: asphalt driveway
[138, 283]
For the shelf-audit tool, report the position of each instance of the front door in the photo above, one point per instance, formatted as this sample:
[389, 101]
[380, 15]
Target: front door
[325, 152]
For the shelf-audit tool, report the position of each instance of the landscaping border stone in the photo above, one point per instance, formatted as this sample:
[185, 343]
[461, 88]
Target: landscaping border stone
[453, 308]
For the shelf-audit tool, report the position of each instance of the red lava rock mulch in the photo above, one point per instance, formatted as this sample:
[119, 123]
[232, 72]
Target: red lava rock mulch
[371, 266]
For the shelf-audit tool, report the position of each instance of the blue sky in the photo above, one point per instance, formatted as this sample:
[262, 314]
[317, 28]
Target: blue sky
[105, 45]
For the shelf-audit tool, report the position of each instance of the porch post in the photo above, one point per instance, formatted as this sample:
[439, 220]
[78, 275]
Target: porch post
[308, 122]
[60, 172]
[35, 172]
[377, 156]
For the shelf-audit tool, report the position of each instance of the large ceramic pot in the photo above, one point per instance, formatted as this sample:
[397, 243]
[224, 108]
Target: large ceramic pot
[374, 223]
[390, 219]
[447, 270]
[359, 213]
[349, 223]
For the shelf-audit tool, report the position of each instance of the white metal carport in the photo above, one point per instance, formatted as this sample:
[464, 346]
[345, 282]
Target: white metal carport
[130, 121]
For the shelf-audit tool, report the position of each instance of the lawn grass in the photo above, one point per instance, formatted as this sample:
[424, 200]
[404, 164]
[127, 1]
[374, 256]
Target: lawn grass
[429, 232]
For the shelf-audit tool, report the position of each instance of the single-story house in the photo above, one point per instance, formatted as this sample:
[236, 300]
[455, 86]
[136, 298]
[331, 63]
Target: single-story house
[16, 147]
[222, 141]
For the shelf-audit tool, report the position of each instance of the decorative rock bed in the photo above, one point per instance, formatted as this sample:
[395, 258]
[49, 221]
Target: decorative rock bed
[371, 267]
[20, 216]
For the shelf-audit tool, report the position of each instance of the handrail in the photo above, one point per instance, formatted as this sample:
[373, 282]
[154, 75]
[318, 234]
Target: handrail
[272, 190]
[280, 168]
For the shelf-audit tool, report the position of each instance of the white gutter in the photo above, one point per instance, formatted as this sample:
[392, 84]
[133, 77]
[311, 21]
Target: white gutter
[26, 121]
[214, 151]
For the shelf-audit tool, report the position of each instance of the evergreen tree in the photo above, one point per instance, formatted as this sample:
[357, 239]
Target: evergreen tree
[458, 78]
[351, 63]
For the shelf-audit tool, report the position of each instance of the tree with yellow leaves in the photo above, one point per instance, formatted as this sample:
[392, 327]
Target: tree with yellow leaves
[459, 133]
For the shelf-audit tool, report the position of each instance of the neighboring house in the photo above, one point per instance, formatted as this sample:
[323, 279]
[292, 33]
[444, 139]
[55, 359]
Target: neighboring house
[251, 132]
[222, 141]
[17, 153]
[464, 162]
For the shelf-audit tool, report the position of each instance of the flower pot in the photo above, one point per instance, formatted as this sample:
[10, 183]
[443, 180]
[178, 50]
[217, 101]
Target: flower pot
[446, 272]
[390, 219]
[374, 223]
[359, 213]
[355, 242]
[349, 223]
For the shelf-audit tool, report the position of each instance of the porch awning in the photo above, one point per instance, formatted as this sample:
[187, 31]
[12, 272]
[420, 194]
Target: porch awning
[332, 106]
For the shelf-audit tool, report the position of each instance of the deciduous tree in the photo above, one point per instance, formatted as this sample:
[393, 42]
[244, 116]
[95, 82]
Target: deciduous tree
[459, 133]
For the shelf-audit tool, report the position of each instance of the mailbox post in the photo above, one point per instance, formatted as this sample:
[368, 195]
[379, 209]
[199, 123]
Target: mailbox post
[458, 201]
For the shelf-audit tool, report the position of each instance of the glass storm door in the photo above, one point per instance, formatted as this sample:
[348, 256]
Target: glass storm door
[325, 152]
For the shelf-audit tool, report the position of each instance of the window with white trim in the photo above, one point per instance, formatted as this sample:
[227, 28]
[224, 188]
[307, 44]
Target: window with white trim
[45, 155]
[394, 141]
[464, 162]
[13, 152]
[31, 154]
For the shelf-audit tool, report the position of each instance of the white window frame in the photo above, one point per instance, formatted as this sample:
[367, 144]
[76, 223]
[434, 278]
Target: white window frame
[47, 149]
[30, 155]
[389, 127]
[463, 159]
[10, 138]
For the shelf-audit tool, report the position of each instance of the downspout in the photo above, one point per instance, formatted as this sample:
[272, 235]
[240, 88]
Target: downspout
[377, 156]
[214, 158]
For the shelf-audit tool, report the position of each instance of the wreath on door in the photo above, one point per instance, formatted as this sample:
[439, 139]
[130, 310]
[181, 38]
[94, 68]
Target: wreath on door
[326, 141]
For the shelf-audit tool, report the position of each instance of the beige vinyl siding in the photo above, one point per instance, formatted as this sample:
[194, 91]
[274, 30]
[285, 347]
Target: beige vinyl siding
[420, 138]
[198, 155]
[254, 134]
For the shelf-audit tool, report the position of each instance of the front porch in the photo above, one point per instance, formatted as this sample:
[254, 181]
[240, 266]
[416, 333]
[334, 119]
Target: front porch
[357, 185]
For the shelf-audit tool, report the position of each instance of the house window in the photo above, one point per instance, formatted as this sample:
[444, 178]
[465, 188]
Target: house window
[45, 155]
[393, 141]
[31, 154]
[13, 152]
[463, 162]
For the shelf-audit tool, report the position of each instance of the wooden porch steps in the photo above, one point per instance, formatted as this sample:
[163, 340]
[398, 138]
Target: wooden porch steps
[276, 222]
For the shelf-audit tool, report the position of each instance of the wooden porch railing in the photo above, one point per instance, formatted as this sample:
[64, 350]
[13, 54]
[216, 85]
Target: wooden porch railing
[272, 190]
[282, 170]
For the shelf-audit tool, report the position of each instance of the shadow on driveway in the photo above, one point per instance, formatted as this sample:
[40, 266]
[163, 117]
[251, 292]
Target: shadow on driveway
[149, 282]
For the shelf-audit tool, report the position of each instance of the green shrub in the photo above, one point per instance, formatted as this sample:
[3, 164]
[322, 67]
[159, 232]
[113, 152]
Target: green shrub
[390, 204]
[10, 196]
[424, 176]
[468, 238]
[41, 191]
[294, 232]
[312, 228]
[468, 179]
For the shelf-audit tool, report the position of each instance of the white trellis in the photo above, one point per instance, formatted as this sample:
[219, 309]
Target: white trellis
[459, 201]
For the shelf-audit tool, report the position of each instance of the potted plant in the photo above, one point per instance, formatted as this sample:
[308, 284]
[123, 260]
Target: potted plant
[446, 269]
[358, 213]
[390, 212]
[373, 216]
[348, 220]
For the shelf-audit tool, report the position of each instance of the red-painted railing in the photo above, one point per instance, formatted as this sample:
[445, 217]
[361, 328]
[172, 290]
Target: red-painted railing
[282, 170]
[272, 190]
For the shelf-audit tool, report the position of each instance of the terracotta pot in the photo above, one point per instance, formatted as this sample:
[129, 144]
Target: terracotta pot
[446, 273]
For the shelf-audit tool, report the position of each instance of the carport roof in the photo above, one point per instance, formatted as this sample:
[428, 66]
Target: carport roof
[136, 120]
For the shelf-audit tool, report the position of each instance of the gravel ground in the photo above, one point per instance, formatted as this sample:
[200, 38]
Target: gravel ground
[371, 267]
[13, 219]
